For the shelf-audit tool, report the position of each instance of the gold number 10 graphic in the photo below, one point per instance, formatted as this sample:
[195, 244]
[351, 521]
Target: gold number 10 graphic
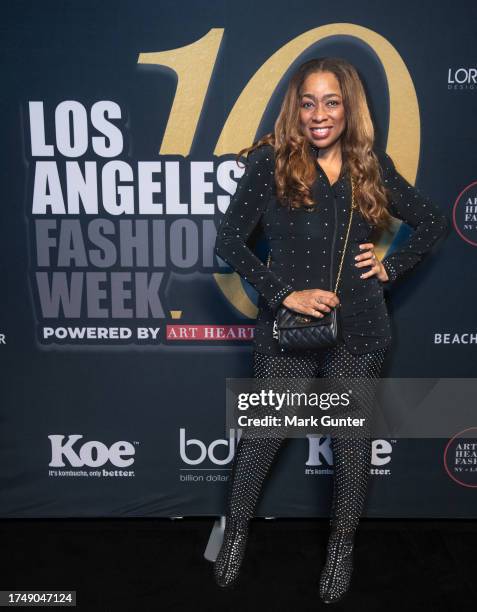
[194, 64]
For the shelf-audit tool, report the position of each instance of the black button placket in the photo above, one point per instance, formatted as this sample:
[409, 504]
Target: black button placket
[335, 238]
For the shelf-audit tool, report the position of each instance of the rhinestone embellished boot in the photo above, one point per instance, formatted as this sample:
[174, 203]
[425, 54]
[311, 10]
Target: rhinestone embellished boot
[250, 467]
[229, 560]
[352, 458]
[336, 575]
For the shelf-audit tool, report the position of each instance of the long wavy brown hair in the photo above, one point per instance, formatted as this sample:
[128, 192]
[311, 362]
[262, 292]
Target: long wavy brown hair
[295, 160]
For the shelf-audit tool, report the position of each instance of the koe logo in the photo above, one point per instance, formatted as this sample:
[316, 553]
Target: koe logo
[320, 448]
[206, 451]
[91, 454]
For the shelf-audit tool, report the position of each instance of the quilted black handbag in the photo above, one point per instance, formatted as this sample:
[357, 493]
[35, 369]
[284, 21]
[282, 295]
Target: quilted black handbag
[296, 331]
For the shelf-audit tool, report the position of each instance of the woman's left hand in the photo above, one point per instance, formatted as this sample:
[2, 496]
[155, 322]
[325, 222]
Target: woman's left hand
[368, 258]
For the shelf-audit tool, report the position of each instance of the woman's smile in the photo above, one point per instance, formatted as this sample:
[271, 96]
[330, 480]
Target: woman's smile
[321, 132]
[322, 114]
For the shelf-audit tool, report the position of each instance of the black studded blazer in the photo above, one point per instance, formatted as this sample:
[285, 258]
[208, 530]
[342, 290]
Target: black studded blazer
[300, 240]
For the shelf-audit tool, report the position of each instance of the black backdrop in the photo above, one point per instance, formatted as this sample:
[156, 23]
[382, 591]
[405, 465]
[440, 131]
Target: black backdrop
[122, 405]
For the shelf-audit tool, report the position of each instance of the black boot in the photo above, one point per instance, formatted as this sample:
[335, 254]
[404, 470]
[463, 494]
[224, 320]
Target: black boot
[252, 461]
[230, 557]
[352, 457]
[336, 575]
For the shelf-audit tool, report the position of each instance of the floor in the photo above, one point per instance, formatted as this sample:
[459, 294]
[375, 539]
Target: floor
[158, 564]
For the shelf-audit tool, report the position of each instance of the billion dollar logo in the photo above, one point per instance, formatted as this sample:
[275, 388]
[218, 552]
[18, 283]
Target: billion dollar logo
[194, 64]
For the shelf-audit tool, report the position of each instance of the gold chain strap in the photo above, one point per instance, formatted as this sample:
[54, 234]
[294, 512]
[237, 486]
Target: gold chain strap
[353, 206]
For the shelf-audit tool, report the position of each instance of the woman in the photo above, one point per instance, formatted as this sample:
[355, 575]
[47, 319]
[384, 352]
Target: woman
[297, 183]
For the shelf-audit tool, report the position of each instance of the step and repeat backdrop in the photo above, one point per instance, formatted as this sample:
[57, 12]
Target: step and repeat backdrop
[118, 323]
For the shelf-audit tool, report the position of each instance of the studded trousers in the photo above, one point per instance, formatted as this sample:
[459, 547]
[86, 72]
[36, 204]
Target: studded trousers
[351, 452]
